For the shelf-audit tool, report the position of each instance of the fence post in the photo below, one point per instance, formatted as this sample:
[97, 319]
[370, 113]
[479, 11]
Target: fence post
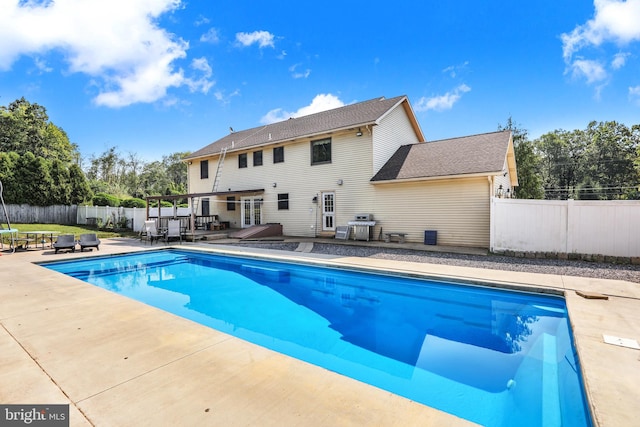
[569, 245]
[492, 221]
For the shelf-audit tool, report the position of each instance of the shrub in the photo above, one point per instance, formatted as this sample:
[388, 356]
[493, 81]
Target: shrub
[103, 199]
[133, 203]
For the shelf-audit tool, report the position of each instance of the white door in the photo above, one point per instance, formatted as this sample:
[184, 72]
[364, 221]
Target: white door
[251, 212]
[328, 211]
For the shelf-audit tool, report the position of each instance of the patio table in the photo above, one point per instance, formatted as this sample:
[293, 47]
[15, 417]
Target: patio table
[13, 234]
[40, 237]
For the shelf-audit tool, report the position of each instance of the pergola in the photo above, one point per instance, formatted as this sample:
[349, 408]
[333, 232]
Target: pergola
[191, 197]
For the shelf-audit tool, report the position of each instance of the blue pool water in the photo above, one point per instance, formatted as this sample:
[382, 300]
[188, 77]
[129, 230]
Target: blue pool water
[494, 357]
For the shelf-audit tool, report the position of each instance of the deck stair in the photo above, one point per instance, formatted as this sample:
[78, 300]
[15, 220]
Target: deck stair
[263, 230]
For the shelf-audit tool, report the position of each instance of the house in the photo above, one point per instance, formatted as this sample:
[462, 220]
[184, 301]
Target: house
[313, 173]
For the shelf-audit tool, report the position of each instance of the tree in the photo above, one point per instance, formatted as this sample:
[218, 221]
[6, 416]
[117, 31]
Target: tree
[608, 164]
[80, 191]
[560, 153]
[25, 127]
[8, 165]
[60, 192]
[527, 161]
[33, 181]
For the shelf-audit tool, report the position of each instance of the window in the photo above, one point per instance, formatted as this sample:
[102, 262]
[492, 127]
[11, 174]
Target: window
[242, 160]
[257, 158]
[231, 203]
[204, 169]
[283, 201]
[278, 155]
[321, 151]
[205, 207]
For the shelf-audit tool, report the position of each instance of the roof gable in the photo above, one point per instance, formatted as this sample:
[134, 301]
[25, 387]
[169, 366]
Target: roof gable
[349, 116]
[469, 155]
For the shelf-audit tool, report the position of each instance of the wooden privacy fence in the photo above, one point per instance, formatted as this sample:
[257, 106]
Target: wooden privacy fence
[56, 214]
[595, 227]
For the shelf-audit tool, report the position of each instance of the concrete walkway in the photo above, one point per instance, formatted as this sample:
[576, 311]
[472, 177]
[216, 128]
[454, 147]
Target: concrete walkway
[119, 362]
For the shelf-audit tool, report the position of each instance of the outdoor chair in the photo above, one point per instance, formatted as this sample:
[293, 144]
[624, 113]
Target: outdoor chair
[65, 241]
[89, 240]
[173, 230]
[150, 231]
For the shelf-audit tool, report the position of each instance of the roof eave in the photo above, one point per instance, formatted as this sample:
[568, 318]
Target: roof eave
[438, 178]
[410, 114]
[287, 140]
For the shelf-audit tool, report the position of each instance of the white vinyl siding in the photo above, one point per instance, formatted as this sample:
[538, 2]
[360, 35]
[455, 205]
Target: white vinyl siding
[394, 131]
[457, 209]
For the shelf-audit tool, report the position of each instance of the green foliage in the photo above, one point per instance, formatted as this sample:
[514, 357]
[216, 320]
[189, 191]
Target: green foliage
[103, 199]
[133, 203]
[598, 163]
[601, 162]
[80, 191]
[32, 179]
[25, 127]
[527, 163]
[36, 158]
[113, 173]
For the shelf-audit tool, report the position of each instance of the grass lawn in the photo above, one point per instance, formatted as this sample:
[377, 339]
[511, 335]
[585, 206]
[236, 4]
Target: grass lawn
[76, 230]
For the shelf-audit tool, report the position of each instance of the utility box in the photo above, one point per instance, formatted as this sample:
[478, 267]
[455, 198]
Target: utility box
[430, 237]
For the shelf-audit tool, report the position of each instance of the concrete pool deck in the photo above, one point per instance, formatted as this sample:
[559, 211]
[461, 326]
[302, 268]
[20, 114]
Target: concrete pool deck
[119, 362]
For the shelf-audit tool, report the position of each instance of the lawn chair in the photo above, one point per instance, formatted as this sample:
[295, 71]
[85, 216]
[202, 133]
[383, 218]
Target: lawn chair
[65, 241]
[89, 240]
[150, 231]
[173, 230]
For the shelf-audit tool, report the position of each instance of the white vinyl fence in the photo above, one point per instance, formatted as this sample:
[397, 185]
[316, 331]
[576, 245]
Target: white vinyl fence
[597, 227]
[134, 217]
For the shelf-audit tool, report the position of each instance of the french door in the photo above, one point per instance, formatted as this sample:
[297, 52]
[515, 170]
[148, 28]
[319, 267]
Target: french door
[251, 211]
[328, 211]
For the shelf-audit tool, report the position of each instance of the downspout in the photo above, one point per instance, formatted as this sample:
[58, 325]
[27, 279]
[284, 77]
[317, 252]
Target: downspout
[491, 214]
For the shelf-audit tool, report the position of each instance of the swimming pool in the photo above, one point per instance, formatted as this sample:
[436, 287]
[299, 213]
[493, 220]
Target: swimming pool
[491, 356]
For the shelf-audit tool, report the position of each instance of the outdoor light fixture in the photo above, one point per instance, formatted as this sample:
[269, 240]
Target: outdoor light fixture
[340, 182]
[275, 184]
[359, 133]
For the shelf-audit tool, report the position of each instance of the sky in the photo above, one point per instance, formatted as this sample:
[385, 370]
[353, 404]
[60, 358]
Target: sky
[156, 77]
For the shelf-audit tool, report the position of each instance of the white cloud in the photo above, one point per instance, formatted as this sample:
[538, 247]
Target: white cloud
[210, 36]
[442, 102]
[619, 60]
[634, 93]
[203, 84]
[453, 70]
[118, 43]
[224, 98]
[42, 66]
[202, 20]
[262, 38]
[591, 70]
[299, 74]
[614, 21]
[321, 102]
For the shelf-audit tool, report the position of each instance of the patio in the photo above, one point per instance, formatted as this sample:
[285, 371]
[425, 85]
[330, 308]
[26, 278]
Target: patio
[120, 362]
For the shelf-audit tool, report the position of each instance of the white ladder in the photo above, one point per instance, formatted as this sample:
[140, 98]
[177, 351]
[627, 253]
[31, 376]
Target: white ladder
[216, 178]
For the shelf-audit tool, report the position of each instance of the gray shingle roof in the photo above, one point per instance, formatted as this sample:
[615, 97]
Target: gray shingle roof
[349, 116]
[475, 154]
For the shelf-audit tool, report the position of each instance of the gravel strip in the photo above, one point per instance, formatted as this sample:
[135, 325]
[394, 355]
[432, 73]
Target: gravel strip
[597, 270]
